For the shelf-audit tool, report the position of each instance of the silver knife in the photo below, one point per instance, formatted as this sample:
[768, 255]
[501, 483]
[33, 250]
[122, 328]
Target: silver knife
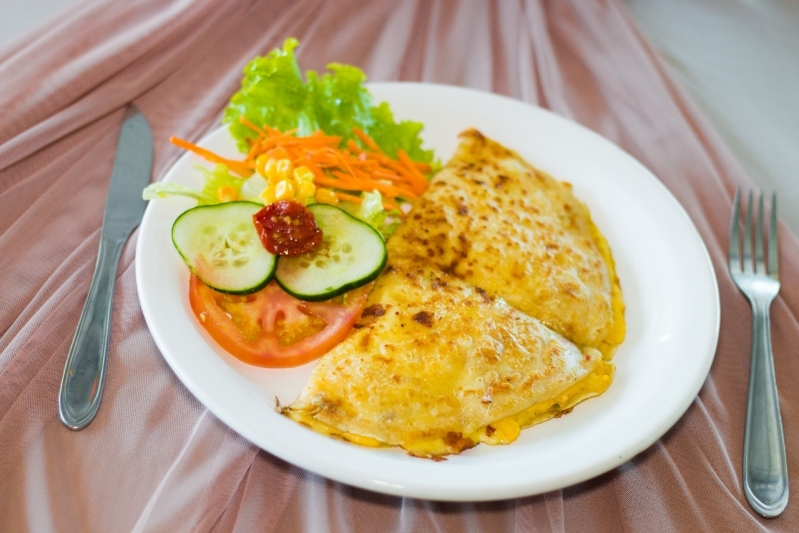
[84, 373]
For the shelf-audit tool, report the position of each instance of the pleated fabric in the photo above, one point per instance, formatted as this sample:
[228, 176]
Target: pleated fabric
[155, 459]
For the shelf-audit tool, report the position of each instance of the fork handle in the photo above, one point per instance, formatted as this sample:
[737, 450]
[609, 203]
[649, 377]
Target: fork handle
[765, 471]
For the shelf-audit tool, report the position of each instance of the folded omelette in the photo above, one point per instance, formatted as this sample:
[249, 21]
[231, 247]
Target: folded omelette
[499, 309]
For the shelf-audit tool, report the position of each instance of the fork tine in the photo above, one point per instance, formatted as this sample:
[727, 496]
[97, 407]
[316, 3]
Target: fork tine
[748, 237]
[760, 266]
[773, 252]
[734, 248]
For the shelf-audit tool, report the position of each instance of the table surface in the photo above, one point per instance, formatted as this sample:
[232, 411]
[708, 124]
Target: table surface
[735, 59]
[700, 92]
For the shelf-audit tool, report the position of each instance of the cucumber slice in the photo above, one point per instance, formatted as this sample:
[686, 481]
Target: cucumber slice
[352, 254]
[220, 244]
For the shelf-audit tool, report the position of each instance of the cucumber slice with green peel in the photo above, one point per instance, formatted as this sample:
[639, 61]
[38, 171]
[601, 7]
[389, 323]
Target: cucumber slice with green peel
[352, 254]
[220, 245]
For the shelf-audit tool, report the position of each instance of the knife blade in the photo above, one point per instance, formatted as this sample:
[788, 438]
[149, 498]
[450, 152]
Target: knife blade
[84, 372]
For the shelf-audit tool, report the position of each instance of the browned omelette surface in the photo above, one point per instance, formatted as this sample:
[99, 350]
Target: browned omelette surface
[496, 222]
[433, 362]
[498, 304]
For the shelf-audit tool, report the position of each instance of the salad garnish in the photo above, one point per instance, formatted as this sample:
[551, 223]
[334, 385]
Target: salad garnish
[273, 92]
[285, 240]
[318, 139]
[315, 168]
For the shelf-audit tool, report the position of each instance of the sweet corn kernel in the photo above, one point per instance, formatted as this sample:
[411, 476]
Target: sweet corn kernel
[226, 194]
[326, 196]
[303, 174]
[306, 189]
[276, 177]
[261, 162]
[284, 190]
[284, 166]
[268, 195]
[271, 165]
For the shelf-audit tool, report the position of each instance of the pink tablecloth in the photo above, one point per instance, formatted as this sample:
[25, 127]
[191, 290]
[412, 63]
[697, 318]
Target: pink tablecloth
[155, 459]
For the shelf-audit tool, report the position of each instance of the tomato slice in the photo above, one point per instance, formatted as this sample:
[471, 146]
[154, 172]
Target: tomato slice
[271, 328]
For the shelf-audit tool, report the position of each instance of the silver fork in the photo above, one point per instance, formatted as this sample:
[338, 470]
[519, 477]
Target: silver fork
[765, 471]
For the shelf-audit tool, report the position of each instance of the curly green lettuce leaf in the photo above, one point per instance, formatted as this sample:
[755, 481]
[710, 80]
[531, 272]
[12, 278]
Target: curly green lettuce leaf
[391, 136]
[372, 212]
[273, 92]
[252, 188]
[214, 179]
[168, 188]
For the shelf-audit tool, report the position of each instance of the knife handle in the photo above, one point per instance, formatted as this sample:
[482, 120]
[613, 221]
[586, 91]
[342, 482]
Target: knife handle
[84, 372]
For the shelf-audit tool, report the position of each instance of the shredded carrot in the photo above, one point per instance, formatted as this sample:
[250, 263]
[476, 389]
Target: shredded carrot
[371, 185]
[254, 149]
[253, 127]
[418, 181]
[242, 168]
[392, 206]
[339, 183]
[392, 176]
[358, 200]
[349, 197]
[424, 168]
[367, 140]
[345, 170]
[353, 146]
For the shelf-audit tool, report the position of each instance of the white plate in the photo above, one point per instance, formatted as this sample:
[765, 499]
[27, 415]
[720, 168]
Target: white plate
[669, 288]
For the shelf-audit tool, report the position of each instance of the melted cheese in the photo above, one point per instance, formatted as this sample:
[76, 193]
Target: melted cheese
[496, 222]
[433, 361]
[500, 308]
[503, 431]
